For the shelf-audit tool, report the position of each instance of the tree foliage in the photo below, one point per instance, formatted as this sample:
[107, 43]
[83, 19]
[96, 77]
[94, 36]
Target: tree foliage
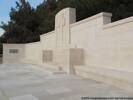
[27, 23]
[22, 25]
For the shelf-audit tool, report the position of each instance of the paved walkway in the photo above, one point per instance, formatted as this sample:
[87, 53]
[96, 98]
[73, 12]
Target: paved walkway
[29, 82]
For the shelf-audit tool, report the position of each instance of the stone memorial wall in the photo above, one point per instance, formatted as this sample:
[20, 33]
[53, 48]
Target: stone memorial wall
[94, 48]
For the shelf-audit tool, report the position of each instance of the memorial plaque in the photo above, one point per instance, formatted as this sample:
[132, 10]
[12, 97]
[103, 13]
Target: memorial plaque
[13, 51]
[47, 56]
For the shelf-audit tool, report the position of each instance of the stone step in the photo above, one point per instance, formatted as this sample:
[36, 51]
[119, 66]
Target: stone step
[58, 72]
[51, 66]
[53, 69]
[120, 79]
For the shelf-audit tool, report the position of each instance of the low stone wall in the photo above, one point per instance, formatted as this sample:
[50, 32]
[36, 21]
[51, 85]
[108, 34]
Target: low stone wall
[13, 53]
[22, 53]
[33, 53]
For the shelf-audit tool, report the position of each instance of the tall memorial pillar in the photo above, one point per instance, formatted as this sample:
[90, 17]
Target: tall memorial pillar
[62, 26]
[64, 55]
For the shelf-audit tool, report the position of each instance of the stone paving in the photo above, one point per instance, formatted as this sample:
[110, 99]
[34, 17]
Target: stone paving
[30, 82]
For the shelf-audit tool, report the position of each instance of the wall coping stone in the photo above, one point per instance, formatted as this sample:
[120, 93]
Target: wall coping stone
[92, 18]
[117, 23]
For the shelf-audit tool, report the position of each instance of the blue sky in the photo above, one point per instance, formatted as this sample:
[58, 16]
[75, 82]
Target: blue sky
[5, 6]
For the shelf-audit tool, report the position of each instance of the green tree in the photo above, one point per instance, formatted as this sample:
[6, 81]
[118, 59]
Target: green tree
[46, 15]
[22, 24]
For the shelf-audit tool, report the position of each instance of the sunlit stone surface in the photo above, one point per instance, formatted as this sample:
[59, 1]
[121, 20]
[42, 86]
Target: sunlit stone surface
[26, 97]
[29, 82]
